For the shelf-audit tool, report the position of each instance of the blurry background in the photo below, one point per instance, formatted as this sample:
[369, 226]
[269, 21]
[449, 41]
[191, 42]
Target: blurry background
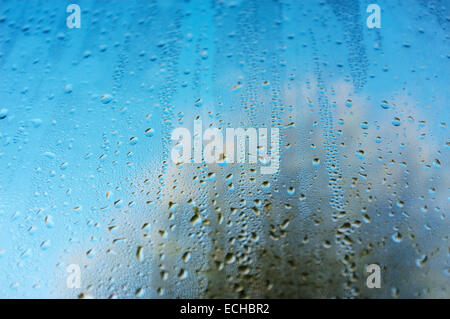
[85, 170]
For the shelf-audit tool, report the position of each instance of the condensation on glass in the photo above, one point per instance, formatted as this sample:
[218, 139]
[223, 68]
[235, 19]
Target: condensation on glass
[88, 188]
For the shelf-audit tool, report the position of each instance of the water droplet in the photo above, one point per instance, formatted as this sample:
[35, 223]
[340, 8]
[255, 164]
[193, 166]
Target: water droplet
[106, 98]
[3, 113]
[397, 237]
[140, 253]
[149, 132]
[316, 162]
[396, 121]
[385, 104]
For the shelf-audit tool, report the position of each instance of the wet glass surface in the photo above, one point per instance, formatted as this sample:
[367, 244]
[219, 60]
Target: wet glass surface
[88, 186]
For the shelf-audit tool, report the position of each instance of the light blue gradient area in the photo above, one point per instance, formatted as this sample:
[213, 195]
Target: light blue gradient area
[83, 182]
